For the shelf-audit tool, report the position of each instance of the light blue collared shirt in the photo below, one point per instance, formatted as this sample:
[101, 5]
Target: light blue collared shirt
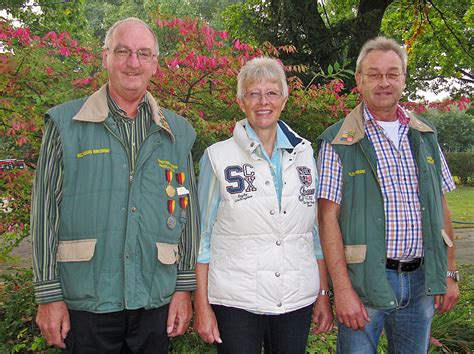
[209, 193]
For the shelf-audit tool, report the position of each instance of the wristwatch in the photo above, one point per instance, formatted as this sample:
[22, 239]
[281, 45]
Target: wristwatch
[325, 292]
[454, 275]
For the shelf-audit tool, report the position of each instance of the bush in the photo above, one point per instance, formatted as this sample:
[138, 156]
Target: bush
[18, 332]
[455, 128]
[461, 165]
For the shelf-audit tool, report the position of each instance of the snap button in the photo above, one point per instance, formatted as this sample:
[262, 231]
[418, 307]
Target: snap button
[278, 243]
[279, 304]
[134, 209]
[277, 274]
[272, 212]
[267, 183]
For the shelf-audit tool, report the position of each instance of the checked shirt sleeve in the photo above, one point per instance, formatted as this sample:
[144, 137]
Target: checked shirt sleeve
[47, 195]
[330, 174]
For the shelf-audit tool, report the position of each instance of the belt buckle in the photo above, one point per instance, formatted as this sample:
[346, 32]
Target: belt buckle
[399, 268]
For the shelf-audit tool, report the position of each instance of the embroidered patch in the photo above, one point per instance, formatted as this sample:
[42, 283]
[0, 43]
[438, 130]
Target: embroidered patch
[356, 172]
[307, 195]
[348, 135]
[430, 160]
[92, 152]
[241, 181]
[167, 165]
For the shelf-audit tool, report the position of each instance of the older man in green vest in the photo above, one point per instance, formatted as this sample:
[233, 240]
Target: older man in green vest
[114, 217]
[384, 222]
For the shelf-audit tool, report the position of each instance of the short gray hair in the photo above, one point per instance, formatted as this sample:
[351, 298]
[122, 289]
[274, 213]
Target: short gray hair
[113, 28]
[260, 68]
[384, 44]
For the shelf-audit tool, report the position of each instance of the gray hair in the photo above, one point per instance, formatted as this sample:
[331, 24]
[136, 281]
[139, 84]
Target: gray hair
[384, 44]
[113, 28]
[261, 68]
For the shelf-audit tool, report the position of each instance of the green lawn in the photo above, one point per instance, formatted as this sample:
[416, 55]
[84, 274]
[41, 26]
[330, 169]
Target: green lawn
[461, 204]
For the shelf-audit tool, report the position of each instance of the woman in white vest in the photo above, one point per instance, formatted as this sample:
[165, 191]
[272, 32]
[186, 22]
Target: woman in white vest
[260, 272]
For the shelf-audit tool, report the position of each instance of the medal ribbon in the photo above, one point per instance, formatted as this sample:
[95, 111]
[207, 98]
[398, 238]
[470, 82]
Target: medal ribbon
[183, 202]
[169, 176]
[171, 205]
[180, 177]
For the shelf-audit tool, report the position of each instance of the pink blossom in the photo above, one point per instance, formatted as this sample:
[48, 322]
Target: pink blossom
[65, 51]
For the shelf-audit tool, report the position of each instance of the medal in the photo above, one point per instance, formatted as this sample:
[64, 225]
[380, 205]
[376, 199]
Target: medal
[170, 191]
[171, 222]
[183, 203]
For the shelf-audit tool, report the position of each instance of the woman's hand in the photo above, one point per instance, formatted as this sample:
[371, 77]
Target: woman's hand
[205, 324]
[322, 315]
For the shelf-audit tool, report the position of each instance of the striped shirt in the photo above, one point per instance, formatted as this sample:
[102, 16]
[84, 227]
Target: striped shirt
[398, 177]
[47, 196]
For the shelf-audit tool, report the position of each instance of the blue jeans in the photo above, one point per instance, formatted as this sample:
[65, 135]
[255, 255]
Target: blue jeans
[407, 326]
[243, 332]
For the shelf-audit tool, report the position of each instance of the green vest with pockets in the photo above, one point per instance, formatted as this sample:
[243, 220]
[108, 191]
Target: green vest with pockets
[362, 219]
[115, 249]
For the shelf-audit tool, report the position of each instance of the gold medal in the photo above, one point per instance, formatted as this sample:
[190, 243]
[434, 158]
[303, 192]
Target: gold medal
[170, 191]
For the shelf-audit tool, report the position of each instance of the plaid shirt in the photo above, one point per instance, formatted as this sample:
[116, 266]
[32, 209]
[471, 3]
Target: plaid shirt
[398, 177]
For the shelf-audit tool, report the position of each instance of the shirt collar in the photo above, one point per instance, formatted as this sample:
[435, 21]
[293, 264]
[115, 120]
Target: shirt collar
[402, 115]
[281, 142]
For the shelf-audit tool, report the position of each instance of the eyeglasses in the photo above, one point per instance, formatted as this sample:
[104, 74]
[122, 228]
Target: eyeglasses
[377, 77]
[271, 96]
[144, 55]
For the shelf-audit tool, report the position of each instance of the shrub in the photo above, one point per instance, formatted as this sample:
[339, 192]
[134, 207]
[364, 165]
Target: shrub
[455, 128]
[461, 165]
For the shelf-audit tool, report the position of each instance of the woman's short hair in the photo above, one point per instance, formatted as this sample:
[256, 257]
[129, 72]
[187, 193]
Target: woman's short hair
[113, 28]
[384, 44]
[261, 68]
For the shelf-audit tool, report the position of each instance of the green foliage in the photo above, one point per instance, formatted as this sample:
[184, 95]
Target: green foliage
[438, 36]
[455, 129]
[18, 332]
[461, 165]
[454, 331]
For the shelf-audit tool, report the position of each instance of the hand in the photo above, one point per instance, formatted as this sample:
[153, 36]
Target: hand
[179, 313]
[350, 311]
[322, 315]
[53, 322]
[444, 303]
[205, 324]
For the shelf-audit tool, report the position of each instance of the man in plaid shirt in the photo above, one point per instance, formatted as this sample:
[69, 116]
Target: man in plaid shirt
[385, 226]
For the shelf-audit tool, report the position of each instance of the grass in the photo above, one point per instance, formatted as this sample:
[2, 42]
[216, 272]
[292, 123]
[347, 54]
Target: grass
[461, 204]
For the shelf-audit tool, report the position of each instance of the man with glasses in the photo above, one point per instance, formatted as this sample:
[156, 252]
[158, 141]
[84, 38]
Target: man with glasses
[384, 222]
[114, 217]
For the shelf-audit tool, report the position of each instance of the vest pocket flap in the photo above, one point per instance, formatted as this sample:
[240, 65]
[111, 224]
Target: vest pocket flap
[167, 253]
[355, 253]
[76, 250]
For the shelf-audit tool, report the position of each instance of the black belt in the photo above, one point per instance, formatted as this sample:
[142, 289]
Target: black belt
[404, 266]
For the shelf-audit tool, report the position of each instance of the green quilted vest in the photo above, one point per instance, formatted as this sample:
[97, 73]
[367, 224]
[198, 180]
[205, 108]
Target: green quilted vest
[362, 219]
[115, 249]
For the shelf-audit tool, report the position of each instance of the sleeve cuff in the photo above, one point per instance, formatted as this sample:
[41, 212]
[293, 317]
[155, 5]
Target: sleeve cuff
[186, 281]
[48, 291]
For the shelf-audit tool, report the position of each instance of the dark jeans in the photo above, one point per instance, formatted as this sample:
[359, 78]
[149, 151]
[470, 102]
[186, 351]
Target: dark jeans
[124, 332]
[243, 332]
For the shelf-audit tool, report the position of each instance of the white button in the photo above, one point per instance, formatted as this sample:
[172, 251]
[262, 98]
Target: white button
[279, 304]
[392, 302]
[272, 212]
[267, 183]
[278, 243]
[277, 274]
